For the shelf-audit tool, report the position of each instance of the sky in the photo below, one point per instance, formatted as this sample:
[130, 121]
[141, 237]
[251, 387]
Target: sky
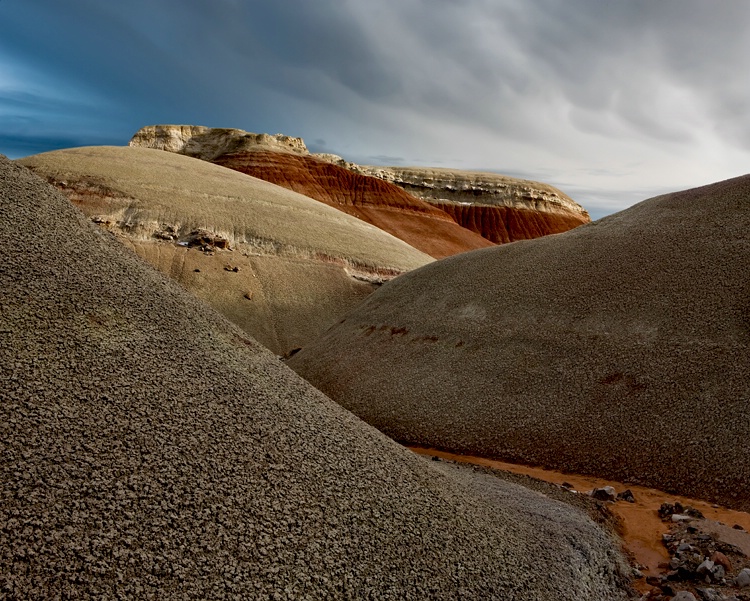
[612, 101]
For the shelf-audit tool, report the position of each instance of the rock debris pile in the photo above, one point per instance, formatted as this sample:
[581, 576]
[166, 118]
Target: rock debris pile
[702, 561]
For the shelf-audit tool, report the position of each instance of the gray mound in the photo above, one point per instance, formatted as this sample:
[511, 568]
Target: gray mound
[148, 449]
[618, 349]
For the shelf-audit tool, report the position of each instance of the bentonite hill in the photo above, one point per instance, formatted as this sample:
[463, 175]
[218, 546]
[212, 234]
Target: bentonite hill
[280, 265]
[439, 211]
[619, 349]
[152, 450]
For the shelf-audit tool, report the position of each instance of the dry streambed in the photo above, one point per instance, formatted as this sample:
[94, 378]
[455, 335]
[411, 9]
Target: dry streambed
[645, 534]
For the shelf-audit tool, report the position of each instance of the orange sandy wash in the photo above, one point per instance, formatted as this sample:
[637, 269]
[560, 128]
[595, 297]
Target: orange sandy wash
[642, 528]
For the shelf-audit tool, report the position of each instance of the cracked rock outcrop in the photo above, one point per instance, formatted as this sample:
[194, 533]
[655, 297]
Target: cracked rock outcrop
[619, 349]
[301, 265]
[150, 449]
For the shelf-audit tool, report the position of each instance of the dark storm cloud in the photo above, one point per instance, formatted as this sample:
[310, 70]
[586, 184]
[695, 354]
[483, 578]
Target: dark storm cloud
[602, 91]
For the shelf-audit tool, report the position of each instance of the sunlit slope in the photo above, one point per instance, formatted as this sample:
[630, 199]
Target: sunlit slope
[299, 264]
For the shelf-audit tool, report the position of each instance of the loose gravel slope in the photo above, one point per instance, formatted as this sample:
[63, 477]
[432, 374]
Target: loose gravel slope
[148, 449]
[619, 349]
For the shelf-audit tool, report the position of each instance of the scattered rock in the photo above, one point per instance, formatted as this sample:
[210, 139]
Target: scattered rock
[705, 569]
[738, 527]
[166, 233]
[679, 517]
[743, 578]
[205, 241]
[709, 594]
[720, 559]
[606, 493]
[669, 510]
[232, 268]
[684, 596]
[626, 495]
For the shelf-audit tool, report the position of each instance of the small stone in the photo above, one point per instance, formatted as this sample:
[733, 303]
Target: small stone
[720, 559]
[674, 575]
[627, 496]
[606, 493]
[684, 547]
[667, 589]
[709, 594]
[684, 596]
[567, 485]
[248, 295]
[737, 527]
[197, 270]
[679, 517]
[743, 578]
[705, 568]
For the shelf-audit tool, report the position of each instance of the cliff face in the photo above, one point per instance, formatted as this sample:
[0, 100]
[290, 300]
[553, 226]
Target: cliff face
[208, 143]
[477, 188]
[499, 208]
[439, 211]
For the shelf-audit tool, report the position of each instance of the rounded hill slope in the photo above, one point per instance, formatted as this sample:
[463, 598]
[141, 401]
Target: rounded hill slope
[619, 349]
[282, 266]
[151, 450]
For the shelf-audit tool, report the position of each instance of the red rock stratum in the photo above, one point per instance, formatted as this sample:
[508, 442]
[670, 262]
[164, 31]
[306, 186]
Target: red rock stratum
[384, 205]
[620, 349]
[500, 208]
[500, 224]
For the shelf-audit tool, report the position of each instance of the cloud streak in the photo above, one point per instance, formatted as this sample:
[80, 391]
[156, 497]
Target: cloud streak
[606, 99]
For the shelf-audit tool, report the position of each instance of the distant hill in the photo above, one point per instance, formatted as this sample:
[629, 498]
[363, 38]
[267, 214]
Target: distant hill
[487, 207]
